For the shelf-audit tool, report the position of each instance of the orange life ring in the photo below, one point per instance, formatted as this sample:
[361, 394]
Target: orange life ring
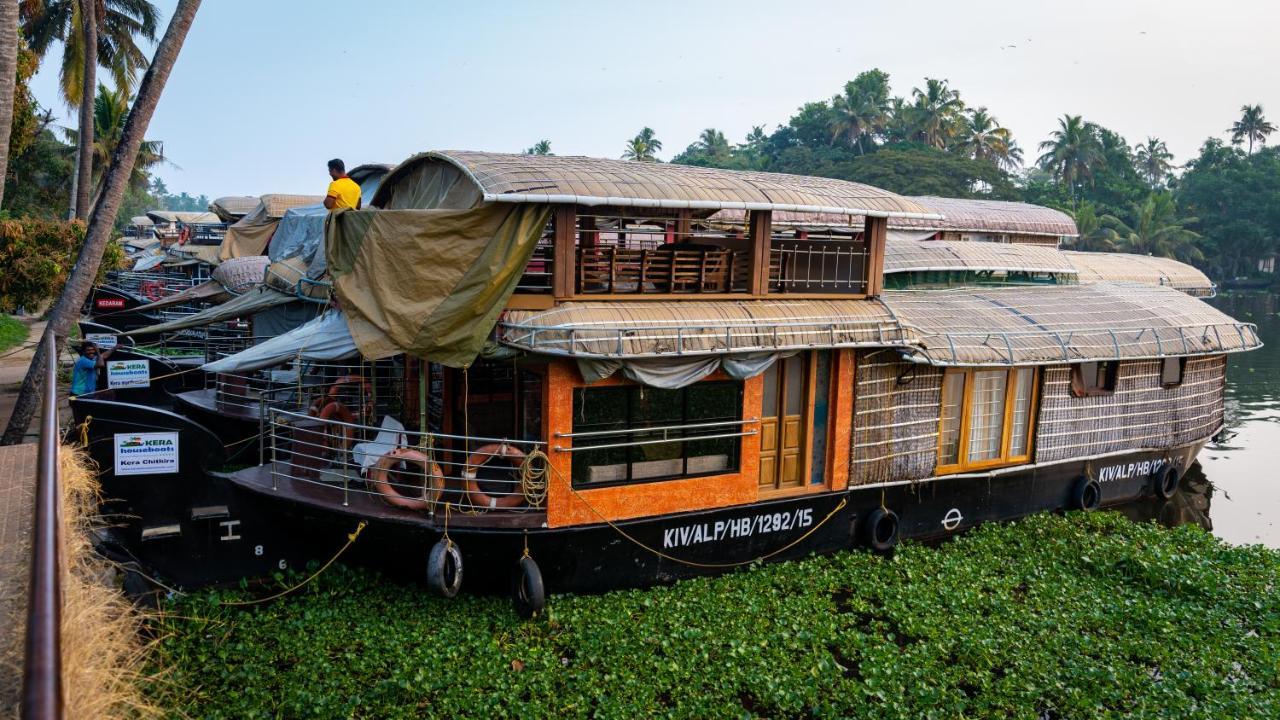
[335, 393]
[184, 234]
[482, 455]
[432, 485]
[338, 412]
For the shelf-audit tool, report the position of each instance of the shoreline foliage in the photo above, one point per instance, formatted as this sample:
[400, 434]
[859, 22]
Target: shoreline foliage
[1076, 616]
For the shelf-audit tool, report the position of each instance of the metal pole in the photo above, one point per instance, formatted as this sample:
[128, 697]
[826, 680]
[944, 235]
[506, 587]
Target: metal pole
[42, 668]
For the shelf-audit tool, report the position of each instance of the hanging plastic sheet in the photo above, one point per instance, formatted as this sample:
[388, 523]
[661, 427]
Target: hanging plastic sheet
[325, 338]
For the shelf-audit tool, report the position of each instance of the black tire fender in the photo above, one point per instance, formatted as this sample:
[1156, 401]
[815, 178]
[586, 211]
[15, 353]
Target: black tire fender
[528, 594]
[1165, 482]
[1086, 494]
[880, 530]
[444, 569]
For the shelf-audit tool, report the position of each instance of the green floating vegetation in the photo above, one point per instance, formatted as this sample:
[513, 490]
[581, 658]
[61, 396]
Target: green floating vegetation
[1082, 616]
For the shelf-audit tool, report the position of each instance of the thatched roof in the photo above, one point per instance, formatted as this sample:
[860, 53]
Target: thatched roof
[991, 216]
[998, 326]
[276, 205]
[943, 255]
[1104, 267]
[495, 177]
[233, 207]
[1064, 323]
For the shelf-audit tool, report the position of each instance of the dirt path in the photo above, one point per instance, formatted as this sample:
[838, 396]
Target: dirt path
[13, 368]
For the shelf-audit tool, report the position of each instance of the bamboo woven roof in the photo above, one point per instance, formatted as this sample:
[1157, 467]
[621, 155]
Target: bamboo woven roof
[141, 220]
[969, 327]
[622, 183]
[1063, 323]
[949, 215]
[276, 205]
[233, 207]
[1105, 267]
[648, 329]
[943, 255]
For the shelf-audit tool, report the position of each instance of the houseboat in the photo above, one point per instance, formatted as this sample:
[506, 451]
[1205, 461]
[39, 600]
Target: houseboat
[578, 374]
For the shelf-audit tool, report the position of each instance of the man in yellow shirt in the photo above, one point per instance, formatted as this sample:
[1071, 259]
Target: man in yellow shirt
[343, 192]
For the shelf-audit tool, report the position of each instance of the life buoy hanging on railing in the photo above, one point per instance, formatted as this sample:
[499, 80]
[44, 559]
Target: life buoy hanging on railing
[152, 289]
[432, 483]
[478, 459]
[337, 411]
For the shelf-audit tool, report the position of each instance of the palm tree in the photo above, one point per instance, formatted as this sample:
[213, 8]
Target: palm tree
[110, 113]
[1072, 152]
[1091, 235]
[714, 144]
[81, 189]
[104, 213]
[1251, 126]
[644, 146]
[542, 147]
[8, 80]
[1154, 160]
[862, 110]
[982, 138]
[120, 23]
[938, 110]
[756, 138]
[1155, 229]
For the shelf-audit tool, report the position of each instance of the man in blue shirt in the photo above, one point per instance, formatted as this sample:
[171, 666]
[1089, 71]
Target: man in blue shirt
[84, 374]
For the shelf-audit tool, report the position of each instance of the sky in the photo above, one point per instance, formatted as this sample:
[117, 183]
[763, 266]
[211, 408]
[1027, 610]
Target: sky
[264, 93]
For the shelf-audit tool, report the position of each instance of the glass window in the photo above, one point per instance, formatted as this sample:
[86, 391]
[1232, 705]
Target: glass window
[986, 415]
[985, 418]
[629, 452]
[952, 408]
[821, 395]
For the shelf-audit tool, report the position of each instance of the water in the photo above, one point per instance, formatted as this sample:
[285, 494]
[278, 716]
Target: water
[1236, 471]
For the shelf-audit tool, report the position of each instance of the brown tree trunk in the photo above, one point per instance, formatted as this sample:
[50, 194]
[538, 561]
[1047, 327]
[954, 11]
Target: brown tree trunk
[88, 90]
[103, 216]
[8, 81]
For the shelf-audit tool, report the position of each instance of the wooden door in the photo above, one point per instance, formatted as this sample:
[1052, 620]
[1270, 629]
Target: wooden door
[783, 425]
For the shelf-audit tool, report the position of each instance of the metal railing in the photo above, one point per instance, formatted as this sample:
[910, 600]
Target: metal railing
[42, 663]
[803, 266]
[405, 468]
[671, 434]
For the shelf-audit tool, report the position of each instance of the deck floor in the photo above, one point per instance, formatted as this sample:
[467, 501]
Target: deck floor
[17, 498]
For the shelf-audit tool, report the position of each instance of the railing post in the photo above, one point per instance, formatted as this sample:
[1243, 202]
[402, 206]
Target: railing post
[42, 668]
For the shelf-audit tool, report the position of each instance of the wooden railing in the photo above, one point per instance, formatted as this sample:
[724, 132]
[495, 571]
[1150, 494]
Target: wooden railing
[666, 269]
[42, 665]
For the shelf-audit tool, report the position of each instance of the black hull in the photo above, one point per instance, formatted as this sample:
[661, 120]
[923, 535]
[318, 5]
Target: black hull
[663, 549]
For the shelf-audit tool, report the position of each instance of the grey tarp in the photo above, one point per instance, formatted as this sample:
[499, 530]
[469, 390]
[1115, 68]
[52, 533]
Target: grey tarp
[324, 338]
[254, 301]
[430, 283]
[301, 234]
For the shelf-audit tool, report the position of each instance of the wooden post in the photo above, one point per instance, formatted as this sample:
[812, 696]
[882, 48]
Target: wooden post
[761, 230]
[563, 249]
[875, 230]
[684, 225]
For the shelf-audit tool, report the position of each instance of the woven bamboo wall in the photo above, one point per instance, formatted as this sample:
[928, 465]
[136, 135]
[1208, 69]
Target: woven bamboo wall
[895, 425]
[1140, 414]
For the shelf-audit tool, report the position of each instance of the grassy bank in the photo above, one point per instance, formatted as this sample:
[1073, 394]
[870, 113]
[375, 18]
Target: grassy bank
[1064, 617]
[12, 332]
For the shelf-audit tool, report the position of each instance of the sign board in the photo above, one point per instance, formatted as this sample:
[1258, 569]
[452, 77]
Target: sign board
[146, 453]
[128, 374]
[104, 341]
[109, 303]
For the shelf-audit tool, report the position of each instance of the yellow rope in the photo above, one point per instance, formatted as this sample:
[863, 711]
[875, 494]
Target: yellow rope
[533, 480]
[351, 538]
[84, 431]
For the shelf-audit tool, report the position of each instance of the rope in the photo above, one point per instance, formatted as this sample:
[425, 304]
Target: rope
[533, 480]
[691, 563]
[351, 538]
[84, 431]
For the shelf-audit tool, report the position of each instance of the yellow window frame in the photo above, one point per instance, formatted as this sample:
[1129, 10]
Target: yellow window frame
[1006, 439]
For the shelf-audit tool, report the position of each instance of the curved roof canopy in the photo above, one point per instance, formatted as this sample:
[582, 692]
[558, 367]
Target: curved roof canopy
[461, 179]
[1094, 267]
[997, 326]
[233, 207]
[903, 256]
[170, 216]
[991, 216]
